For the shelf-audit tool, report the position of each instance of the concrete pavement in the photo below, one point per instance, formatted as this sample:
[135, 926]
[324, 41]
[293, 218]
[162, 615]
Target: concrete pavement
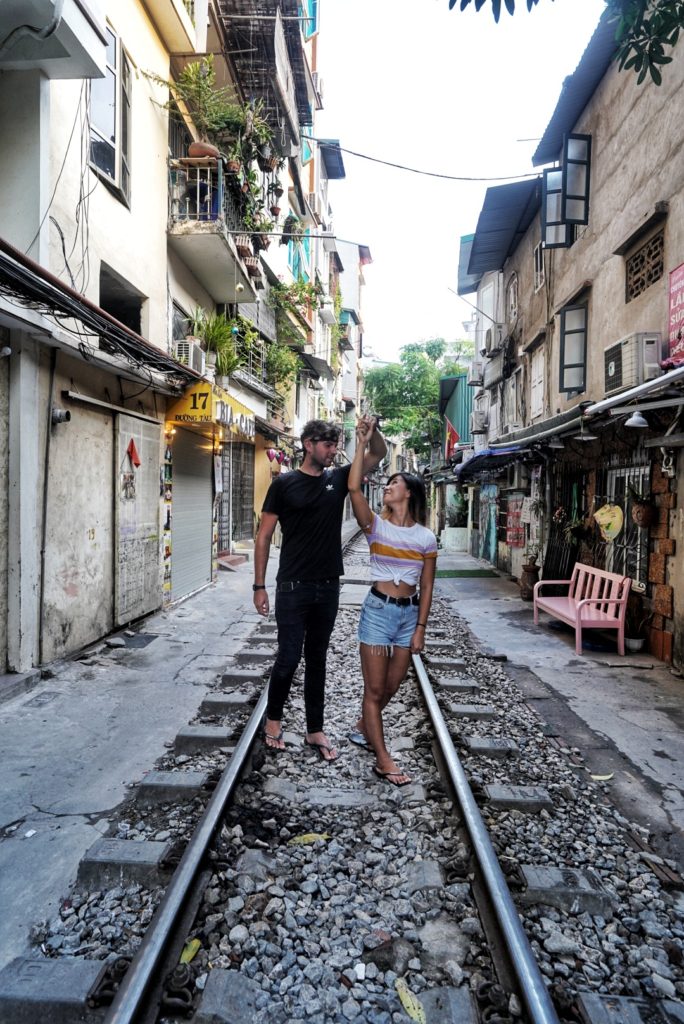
[91, 726]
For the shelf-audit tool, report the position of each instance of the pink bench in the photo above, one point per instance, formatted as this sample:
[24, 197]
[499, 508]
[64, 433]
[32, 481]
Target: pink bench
[596, 599]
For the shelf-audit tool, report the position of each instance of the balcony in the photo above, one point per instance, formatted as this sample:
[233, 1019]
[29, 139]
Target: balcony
[204, 218]
[75, 49]
[175, 22]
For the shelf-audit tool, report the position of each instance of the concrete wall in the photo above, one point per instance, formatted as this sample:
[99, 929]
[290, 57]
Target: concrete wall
[4, 483]
[24, 166]
[130, 241]
[637, 134]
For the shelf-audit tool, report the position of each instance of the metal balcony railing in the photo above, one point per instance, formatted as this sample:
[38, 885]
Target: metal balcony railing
[199, 191]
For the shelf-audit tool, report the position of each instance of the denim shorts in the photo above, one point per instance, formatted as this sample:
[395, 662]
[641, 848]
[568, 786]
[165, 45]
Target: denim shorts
[382, 624]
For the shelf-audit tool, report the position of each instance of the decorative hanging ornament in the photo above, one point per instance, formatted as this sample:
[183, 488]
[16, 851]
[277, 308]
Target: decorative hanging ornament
[286, 460]
[280, 456]
[271, 453]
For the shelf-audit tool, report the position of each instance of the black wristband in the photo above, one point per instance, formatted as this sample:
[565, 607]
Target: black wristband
[422, 624]
[258, 586]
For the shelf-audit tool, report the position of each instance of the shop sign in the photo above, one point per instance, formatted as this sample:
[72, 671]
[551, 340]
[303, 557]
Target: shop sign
[676, 319]
[206, 404]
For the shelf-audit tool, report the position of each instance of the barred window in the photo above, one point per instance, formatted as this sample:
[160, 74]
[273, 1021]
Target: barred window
[645, 266]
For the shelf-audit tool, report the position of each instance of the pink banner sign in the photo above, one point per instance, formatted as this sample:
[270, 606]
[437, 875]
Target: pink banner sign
[676, 321]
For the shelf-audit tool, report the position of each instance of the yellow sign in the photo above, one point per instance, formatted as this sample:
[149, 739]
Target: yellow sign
[204, 403]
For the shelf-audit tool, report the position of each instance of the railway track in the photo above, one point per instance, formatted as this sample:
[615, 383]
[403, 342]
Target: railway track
[500, 886]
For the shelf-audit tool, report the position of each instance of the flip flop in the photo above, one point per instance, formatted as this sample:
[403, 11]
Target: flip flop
[388, 776]
[359, 740]
[320, 747]
[268, 736]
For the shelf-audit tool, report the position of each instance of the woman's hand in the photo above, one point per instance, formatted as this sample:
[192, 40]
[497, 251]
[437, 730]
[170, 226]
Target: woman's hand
[418, 640]
[363, 431]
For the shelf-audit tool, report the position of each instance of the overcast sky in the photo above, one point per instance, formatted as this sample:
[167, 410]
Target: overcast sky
[411, 82]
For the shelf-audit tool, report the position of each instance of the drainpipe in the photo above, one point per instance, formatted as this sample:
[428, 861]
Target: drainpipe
[43, 529]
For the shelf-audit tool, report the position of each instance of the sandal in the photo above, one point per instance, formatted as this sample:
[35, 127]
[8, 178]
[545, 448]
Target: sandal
[391, 776]
[320, 747]
[266, 736]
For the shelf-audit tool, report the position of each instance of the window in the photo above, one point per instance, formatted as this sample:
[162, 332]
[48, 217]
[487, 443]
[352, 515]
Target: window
[110, 120]
[539, 277]
[308, 12]
[486, 318]
[628, 552]
[537, 383]
[565, 193]
[180, 323]
[512, 299]
[645, 266]
[573, 349]
[121, 299]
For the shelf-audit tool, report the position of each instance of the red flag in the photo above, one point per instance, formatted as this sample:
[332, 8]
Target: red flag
[452, 438]
[133, 453]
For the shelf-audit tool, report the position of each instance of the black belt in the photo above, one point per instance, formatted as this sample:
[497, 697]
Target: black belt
[403, 602]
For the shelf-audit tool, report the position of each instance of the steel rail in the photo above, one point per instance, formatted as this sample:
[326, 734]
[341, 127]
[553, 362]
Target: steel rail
[532, 986]
[139, 976]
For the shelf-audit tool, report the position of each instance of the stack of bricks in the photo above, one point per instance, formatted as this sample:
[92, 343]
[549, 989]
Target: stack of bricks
[662, 547]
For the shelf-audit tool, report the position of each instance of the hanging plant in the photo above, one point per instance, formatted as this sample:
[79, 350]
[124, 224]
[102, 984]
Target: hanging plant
[644, 510]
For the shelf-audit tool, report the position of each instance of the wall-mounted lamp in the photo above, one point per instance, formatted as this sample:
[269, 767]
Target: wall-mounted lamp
[169, 432]
[555, 442]
[5, 351]
[584, 435]
[60, 416]
[637, 421]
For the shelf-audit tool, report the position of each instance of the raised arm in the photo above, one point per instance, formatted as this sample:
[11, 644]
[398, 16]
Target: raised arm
[377, 449]
[362, 509]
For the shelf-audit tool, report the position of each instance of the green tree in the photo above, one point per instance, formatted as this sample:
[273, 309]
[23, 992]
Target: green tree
[406, 394]
[643, 29]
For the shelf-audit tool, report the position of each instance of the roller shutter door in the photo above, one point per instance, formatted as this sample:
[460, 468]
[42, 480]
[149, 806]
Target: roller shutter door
[191, 528]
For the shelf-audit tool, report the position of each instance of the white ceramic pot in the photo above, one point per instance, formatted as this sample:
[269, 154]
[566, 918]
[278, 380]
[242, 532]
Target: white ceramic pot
[634, 644]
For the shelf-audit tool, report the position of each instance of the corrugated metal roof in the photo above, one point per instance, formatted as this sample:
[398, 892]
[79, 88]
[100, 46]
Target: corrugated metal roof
[507, 212]
[577, 90]
[467, 283]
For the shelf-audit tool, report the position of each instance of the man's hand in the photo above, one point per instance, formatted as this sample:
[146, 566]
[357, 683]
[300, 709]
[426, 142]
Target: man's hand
[261, 601]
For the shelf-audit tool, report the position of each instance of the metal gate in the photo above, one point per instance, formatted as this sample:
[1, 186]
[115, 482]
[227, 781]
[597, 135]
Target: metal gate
[236, 505]
[191, 514]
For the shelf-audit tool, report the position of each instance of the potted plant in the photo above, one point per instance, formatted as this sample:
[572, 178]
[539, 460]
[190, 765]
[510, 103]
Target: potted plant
[455, 534]
[644, 511]
[227, 361]
[196, 95]
[216, 333]
[262, 228]
[637, 620]
[530, 572]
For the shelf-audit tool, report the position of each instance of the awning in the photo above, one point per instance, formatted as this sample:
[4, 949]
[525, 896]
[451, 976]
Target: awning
[506, 214]
[331, 155]
[319, 366]
[467, 283]
[488, 463]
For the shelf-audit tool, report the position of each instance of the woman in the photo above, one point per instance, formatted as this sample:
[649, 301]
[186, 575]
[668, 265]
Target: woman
[403, 556]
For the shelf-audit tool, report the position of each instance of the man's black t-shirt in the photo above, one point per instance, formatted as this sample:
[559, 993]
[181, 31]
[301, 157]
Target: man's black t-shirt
[309, 509]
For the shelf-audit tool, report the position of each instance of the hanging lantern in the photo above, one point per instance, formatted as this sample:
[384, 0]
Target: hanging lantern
[286, 460]
[271, 453]
[280, 456]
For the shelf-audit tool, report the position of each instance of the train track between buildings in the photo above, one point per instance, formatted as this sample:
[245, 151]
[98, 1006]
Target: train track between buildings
[499, 887]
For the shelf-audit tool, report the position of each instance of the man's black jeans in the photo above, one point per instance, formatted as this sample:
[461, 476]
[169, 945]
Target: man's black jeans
[305, 612]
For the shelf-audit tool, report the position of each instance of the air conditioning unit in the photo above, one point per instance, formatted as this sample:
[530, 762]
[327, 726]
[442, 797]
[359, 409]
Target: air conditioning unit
[189, 352]
[494, 339]
[475, 374]
[633, 360]
[318, 84]
[478, 421]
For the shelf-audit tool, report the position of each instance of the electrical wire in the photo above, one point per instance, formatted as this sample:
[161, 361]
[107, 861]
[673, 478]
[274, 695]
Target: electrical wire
[415, 170]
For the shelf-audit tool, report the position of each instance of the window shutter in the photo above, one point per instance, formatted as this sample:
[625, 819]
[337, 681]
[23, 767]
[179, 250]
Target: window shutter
[555, 232]
[575, 186]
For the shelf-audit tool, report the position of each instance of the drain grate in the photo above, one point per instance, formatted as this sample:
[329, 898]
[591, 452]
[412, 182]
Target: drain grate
[139, 639]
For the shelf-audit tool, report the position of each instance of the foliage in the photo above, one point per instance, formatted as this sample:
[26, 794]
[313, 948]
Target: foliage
[644, 28]
[215, 111]
[457, 510]
[282, 364]
[406, 394]
[336, 330]
[218, 333]
[295, 298]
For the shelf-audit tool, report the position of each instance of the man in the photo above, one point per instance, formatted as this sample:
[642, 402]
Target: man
[308, 504]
